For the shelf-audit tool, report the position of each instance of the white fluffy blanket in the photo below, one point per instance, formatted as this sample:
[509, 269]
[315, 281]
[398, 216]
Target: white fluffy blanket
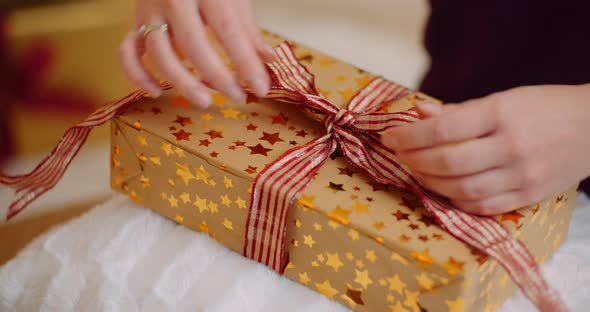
[121, 257]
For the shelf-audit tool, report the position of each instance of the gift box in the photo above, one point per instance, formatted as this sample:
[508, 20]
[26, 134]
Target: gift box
[65, 62]
[369, 246]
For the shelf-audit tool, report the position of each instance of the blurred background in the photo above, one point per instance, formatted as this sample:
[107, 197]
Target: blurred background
[58, 62]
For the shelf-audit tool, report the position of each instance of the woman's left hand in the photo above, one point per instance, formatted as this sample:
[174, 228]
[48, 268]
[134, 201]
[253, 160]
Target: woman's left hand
[500, 152]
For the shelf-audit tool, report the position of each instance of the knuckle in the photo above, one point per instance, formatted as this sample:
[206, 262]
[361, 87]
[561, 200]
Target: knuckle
[529, 196]
[518, 149]
[469, 191]
[440, 132]
[228, 28]
[448, 161]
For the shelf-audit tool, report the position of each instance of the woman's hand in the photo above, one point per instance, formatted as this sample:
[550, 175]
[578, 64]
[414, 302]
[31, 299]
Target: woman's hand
[501, 152]
[232, 22]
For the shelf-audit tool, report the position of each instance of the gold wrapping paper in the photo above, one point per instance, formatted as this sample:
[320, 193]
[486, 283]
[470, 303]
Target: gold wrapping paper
[370, 247]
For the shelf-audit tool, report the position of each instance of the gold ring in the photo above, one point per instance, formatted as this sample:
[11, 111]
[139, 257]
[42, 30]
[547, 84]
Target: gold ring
[145, 30]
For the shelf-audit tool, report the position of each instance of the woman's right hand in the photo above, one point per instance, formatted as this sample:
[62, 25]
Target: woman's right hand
[233, 24]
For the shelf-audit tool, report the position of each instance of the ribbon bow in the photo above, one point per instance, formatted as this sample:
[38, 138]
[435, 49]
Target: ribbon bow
[354, 130]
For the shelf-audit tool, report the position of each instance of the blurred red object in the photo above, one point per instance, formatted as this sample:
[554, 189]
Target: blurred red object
[24, 81]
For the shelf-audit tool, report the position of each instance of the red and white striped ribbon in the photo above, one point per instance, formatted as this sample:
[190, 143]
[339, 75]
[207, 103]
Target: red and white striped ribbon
[354, 131]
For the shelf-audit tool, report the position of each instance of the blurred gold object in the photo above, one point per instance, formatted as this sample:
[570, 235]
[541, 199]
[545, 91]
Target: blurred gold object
[84, 36]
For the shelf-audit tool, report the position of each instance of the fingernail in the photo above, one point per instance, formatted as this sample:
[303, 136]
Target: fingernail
[202, 99]
[235, 93]
[259, 86]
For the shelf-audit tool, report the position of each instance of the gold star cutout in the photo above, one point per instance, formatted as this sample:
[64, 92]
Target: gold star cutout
[230, 113]
[360, 208]
[362, 278]
[412, 299]
[225, 200]
[326, 62]
[163, 195]
[453, 266]
[457, 305]
[359, 264]
[227, 182]
[297, 223]
[179, 152]
[167, 148]
[334, 261]
[321, 258]
[202, 174]
[324, 93]
[339, 215]
[303, 278]
[306, 201]
[227, 224]
[334, 225]
[363, 81]
[424, 281]
[317, 227]
[179, 219]
[212, 183]
[173, 201]
[212, 207]
[353, 234]
[135, 197]
[185, 197]
[201, 204]
[347, 94]
[379, 225]
[183, 172]
[241, 203]
[203, 227]
[156, 160]
[396, 284]
[349, 256]
[206, 117]
[314, 264]
[142, 157]
[141, 140]
[171, 182]
[218, 100]
[390, 298]
[370, 255]
[308, 240]
[137, 125]
[116, 163]
[326, 289]
[422, 259]
[145, 181]
[397, 257]
[397, 308]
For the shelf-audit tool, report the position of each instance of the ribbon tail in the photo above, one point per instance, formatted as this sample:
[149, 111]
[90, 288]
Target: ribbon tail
[47, 174]
[485, 234]
[273, 192]
[491, 238]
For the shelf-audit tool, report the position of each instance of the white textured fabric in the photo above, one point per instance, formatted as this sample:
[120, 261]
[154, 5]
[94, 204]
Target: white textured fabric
[121, 257]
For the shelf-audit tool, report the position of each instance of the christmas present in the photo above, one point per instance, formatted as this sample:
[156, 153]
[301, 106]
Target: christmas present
[59, 63]
[298, 181]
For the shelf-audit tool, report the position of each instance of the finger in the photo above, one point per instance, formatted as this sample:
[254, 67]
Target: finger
[468, 157]
[264, 50]
[191, 36]
[130, 58]
[225, 22]
[427, 109]
[159, 47]
[472, 120]
[494, 205]
[472, 187]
